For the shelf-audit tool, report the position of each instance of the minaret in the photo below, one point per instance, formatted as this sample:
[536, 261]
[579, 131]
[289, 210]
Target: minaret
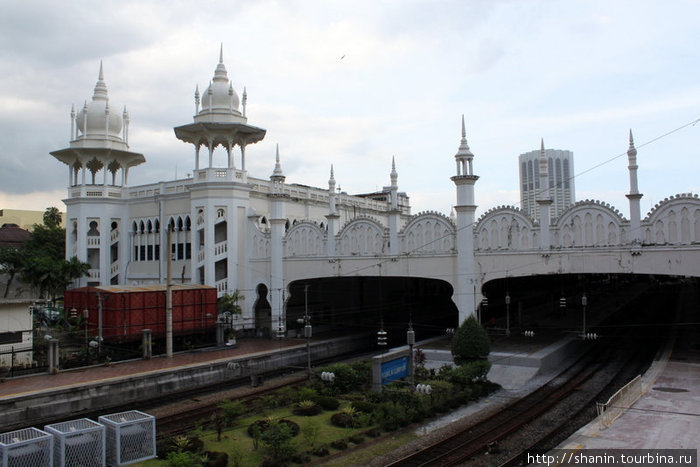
[465, 208]
[634, 195]
[99, 138]
[544, 200]
[219, 122]
[332, 216]
[394, 211]
[277, 231]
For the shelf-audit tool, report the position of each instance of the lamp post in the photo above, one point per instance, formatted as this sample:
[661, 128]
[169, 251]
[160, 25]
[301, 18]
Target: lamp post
[410, 340]
[584, 302]
[307, 329]
[507, 314]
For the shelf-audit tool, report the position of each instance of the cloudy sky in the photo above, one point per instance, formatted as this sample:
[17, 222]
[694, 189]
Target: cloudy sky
[354, 83]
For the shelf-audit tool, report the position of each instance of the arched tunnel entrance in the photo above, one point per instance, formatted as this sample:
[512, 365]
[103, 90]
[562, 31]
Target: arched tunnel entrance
[555, 304]
[367, 302]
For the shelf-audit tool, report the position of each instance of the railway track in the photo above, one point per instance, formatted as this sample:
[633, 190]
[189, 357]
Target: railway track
[531, 423]
[477, 438]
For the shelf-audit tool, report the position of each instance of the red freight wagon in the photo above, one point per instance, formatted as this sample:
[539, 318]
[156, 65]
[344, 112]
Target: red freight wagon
[126, 310]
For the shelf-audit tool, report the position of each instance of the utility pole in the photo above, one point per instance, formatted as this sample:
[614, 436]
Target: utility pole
[169, 299]
[307, 329]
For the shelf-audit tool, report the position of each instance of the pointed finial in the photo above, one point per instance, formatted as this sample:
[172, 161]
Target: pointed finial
[72, 111]
[464, 151]
[221, 53]
[542, 145]
[196, 91]
[332, 175]
[100, 88]
[632, 151]
[101, 75]
[464, 128]
[277, 174]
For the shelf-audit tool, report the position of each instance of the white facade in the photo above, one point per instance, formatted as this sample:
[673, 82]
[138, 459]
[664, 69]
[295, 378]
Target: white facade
[560, 165]
[259, 235]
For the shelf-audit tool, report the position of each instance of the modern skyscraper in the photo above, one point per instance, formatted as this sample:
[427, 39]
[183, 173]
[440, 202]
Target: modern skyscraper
[561, 181]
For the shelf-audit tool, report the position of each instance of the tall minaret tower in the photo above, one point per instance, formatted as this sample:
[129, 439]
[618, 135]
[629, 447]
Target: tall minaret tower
[278, 219]
[634, 195]
[465, 208]
[98, 161]
[219, 123]
[544, 200]
[394, 211]
[332, 216]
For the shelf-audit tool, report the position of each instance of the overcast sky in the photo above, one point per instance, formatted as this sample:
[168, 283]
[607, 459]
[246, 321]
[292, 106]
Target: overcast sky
[354, 83]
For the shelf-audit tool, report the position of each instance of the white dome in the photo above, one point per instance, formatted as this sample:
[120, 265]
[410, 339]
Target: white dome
[97, 113]
[220, 97]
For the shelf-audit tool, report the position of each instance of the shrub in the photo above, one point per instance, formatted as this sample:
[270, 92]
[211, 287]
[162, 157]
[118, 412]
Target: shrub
[347, 378]
[373, 433]
[305, 394]
[321, 452]
[277, 438]
[264, 423]
[310, 432]
[216, 459]
[357, 439]
[184, 459]
[327, 402]
[364, 407]
[341, 420]
[230, 410]
[307, 408]
[340, 444]
[470, 342]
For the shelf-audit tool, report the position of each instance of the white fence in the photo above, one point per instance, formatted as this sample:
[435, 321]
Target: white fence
[619, 402]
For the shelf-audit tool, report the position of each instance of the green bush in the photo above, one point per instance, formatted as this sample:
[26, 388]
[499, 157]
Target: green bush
[348, 378]
[341, 420]
[327, 402]
[340, 444]
[470, 342]
[230, 410]
[184, 459]
[364, 407]
[307, 408]
[467, 373]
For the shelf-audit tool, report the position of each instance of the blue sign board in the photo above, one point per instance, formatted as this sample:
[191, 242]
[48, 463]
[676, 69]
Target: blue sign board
[394, 370]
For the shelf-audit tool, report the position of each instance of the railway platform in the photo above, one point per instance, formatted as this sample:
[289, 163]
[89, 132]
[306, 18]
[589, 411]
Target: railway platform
[666, 416]
[34, 400]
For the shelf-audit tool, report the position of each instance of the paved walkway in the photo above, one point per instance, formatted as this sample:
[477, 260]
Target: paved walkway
[42, 382]
[667, 416]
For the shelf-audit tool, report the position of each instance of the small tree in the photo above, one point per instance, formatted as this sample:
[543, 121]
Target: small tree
[310, 431]
[470, 342]
[11, 262]
[277, 437]
[229, 302]
[230, 410]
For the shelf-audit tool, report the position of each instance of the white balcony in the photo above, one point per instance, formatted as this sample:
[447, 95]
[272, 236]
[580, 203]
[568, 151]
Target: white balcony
[94, 274]
[114, 268]
[114, 235]
[220, 248]
[93, 241]
[221, 287]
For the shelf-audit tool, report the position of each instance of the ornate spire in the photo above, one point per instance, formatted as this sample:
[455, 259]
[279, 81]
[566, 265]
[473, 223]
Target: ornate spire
[331, 181]
[221, 53]
[245, 99]
[544, 163]
[632, 151]
[100, 88]
[277, 174]
[394, 175]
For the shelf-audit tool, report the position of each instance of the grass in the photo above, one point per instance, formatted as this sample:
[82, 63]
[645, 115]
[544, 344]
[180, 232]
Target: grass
[237, 438]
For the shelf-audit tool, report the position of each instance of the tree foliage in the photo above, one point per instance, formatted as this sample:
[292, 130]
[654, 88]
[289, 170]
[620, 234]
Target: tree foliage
[470, 342]
[229, 302]
[42, 263]
[11, 262]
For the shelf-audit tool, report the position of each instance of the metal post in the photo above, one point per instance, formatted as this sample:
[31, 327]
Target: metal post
[507, 314]
[411, 340]
[307, 329]
[584, 302]
[169, 298]
[99, 323]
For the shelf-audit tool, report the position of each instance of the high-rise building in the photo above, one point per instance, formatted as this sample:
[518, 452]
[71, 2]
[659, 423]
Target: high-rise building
[561, 181]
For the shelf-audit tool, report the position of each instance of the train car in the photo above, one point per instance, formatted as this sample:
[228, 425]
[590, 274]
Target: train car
[127, 310]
